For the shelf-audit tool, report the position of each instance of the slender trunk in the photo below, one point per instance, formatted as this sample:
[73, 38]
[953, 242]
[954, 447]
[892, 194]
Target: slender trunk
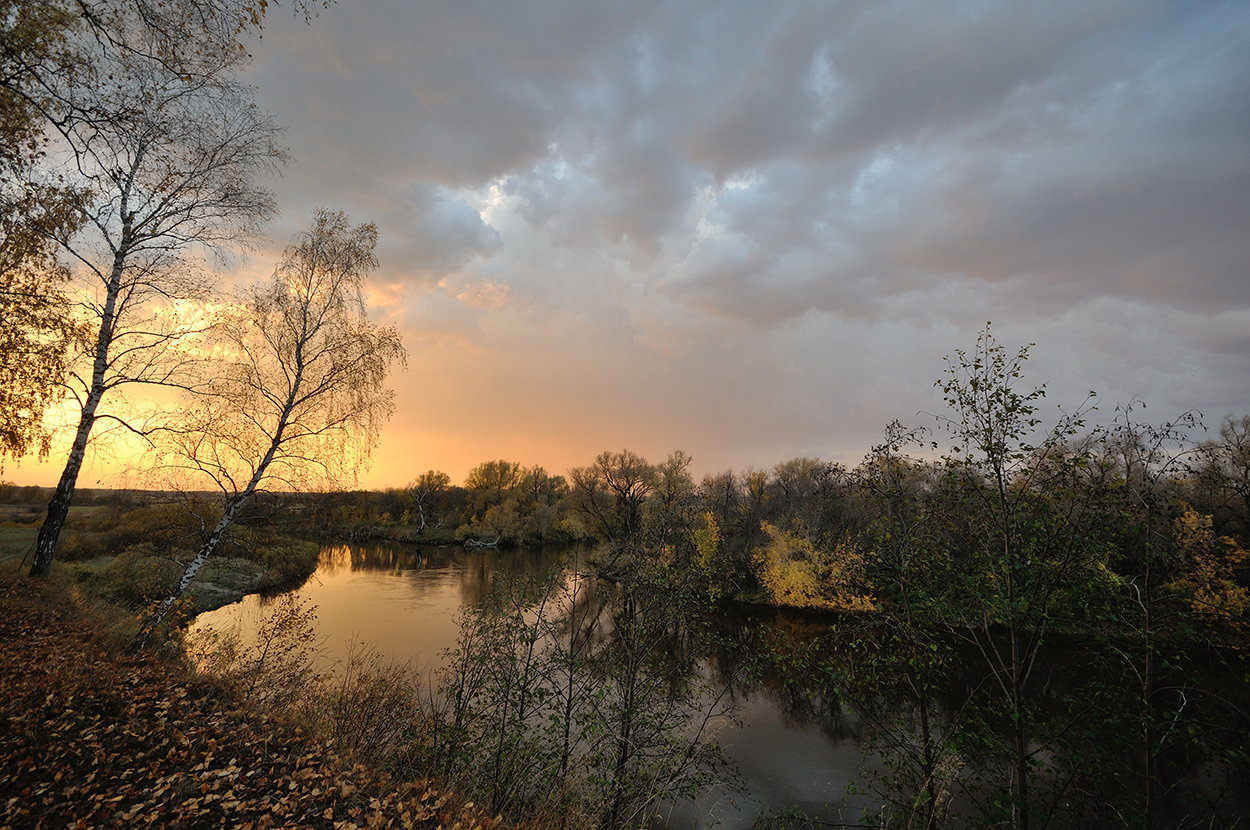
[921, 688]
[1021, 745]
[1020, 806]
[503, 735]
[625, 737]
[58, 507]
[930, 761]
[566, 749]
[570, 700]
[233, 506]
[622, 757]
[206, 550]
[1019, 731]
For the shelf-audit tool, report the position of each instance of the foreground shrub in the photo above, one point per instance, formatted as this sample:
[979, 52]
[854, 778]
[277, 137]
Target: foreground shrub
[365, 706]
[288, 560]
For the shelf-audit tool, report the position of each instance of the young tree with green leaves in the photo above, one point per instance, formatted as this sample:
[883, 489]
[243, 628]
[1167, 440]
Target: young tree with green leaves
[1032, 536]
[1143, 463]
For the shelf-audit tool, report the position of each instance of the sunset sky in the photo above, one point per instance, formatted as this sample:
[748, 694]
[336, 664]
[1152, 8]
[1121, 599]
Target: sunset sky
[752, 230]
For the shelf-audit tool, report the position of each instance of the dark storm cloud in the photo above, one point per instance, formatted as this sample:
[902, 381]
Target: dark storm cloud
[1017, 143]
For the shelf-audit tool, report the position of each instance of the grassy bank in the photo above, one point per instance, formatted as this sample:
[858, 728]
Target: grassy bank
[92, 738]
[134, 556]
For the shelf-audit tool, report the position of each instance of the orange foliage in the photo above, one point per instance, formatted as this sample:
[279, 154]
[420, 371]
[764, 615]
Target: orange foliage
[797, 573]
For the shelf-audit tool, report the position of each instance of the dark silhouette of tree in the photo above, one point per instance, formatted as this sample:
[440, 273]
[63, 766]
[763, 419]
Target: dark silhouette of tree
[610, 494]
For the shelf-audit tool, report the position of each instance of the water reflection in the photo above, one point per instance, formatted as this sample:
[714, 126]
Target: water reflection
[792, 747]
[402, 599]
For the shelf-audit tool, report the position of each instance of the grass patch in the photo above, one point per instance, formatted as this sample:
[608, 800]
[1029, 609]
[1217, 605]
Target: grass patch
[16, 541]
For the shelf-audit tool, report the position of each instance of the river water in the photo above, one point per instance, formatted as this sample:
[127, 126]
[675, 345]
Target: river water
[404, 602]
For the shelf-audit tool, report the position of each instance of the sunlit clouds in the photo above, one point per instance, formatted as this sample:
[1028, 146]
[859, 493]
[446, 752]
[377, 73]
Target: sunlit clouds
[752, 230]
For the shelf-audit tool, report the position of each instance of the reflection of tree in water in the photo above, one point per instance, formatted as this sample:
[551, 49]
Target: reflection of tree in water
[336, 559]
[577, 700]
[749, 646]
[483, 571]
[478, 572]
[804, 708]
[855, 682]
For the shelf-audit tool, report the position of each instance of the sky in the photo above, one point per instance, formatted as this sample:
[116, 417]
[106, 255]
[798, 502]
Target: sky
[752, 231]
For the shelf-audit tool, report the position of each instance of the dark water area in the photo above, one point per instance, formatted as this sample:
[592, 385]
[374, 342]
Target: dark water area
[813, 729]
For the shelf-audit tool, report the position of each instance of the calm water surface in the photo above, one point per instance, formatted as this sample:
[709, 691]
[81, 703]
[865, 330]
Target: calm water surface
[404, 601]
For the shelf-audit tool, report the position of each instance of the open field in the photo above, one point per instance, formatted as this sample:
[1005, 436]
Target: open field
[27, 513]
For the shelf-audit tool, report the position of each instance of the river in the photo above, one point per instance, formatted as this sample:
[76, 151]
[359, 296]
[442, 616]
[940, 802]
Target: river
[404, 601]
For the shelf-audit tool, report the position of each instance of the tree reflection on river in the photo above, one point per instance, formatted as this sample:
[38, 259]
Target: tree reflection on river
[790, 748]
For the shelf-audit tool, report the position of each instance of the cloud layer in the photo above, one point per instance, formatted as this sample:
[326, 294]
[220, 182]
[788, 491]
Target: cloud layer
[752, 230]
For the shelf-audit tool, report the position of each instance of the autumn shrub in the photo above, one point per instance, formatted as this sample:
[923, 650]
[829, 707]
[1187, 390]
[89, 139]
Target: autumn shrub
[797, 573]
[1208, 575]
[139, 575]
[288, 560]
[105, 532]
[366, 706]
[272, 669]
[77, 546]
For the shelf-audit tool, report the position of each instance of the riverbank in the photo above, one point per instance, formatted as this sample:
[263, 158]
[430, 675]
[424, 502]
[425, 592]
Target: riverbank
[136, 578]
[92, 738]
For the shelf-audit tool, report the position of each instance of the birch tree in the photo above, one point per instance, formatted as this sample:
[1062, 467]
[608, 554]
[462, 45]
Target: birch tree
[166, 162]
[61, 64]
[298, 397]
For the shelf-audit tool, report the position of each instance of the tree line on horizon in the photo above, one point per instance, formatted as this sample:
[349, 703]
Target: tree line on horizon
[781, 533]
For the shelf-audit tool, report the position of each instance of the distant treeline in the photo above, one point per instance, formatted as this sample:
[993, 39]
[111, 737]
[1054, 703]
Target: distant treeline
[809, 532]
[806, 532]
[11, 493]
